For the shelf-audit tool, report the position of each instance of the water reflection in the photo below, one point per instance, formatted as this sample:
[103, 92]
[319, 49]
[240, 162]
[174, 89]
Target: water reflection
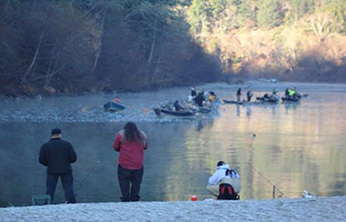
[248, 111]
[199, 124]
[291, 106]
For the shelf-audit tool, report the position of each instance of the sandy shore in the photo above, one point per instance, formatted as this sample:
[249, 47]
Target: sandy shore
[300, 209]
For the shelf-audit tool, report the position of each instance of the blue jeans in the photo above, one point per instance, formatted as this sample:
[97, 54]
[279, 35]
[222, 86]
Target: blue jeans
[130, 177]
[67, 183]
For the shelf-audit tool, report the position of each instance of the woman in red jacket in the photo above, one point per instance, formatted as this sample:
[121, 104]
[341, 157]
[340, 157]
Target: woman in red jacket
[130, 143]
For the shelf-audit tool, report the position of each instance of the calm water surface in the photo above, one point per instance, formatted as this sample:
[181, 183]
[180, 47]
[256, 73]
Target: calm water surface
[292, 146]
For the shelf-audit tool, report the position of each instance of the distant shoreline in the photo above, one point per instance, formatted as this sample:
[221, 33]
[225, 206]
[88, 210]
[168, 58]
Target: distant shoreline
[14, 92]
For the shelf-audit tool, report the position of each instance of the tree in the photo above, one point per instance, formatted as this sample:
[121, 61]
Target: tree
[268, 13]
[197, 17]
[297, 9]
[319, 23]
[245, 12]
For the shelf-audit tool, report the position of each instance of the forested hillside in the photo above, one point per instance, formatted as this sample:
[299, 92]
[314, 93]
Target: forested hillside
[61, 46]
[295, 40]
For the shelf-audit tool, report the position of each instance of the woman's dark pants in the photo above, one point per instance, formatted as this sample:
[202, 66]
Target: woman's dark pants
[130, 177]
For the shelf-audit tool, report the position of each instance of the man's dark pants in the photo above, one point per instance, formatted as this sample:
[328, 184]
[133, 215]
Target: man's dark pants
[127, 177]
[67, 183]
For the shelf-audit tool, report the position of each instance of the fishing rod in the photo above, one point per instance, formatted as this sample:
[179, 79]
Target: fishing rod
[268, 181]
[274, 186]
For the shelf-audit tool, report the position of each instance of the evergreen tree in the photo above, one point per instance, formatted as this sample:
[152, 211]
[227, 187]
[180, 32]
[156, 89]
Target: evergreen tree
[297, 9]
[268, 13]
[216, 7]
[244, 12]
[197, 16]
[338, 10]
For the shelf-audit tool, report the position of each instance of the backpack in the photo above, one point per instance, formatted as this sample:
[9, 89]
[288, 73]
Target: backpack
[231, 173]
[226, 192]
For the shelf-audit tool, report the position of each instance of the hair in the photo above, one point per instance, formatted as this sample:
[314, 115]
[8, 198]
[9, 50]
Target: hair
[132, 134]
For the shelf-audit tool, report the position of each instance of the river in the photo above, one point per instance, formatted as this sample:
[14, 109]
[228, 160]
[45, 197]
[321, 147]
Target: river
[294, 146]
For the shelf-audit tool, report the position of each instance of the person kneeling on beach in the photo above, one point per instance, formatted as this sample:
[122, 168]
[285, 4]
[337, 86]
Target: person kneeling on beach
[224, 183]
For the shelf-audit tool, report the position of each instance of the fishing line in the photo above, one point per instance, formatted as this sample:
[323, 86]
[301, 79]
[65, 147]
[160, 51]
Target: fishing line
[268, 181]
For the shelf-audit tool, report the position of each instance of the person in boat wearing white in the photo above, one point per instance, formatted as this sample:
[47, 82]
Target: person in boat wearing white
[223, 174]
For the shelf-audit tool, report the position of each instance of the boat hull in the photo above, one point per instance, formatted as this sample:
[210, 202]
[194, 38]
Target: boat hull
[289, 99]
[232, 102]
[113, 107]
[173, 113]
[268, 100]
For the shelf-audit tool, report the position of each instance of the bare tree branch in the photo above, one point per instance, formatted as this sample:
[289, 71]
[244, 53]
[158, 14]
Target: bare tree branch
[34, 58]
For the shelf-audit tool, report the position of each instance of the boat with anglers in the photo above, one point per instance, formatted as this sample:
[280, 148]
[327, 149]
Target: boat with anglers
[244, 102]
[290, 99]
[181, 113]
[269, 99]
[232, 102]
[113, 107]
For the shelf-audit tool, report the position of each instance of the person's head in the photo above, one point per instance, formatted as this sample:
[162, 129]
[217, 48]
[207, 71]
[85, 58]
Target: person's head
[116, 100]
[56, 133]
[220, 163]
[132, 133]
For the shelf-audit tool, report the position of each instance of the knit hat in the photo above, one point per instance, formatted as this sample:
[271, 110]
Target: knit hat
[56, 131]
[220, 163]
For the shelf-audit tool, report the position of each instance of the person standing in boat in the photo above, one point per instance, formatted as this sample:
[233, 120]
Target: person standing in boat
[193, 92]
[291, 93]
[296, 93]
[249, 95]
[239, 94]
[57, 155]
[287, 92]
[200, 99]
[131, 144]
[212, 97]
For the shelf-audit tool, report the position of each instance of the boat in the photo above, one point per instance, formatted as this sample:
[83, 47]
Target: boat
[268, 99]
[203, 110]
[232, 102]
[158, 112]
[242, 102]
[113, 107]
[304, 95]
[245, 103]
[290, 99]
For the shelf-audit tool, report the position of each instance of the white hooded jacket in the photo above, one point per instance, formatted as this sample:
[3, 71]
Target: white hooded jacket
[220, 173]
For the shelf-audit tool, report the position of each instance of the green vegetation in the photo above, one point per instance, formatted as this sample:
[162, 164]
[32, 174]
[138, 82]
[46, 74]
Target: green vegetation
[52, 46]
[296, 40]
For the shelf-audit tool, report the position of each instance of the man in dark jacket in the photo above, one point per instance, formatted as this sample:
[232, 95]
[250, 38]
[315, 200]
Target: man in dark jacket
[199, 99]
[57, 155]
